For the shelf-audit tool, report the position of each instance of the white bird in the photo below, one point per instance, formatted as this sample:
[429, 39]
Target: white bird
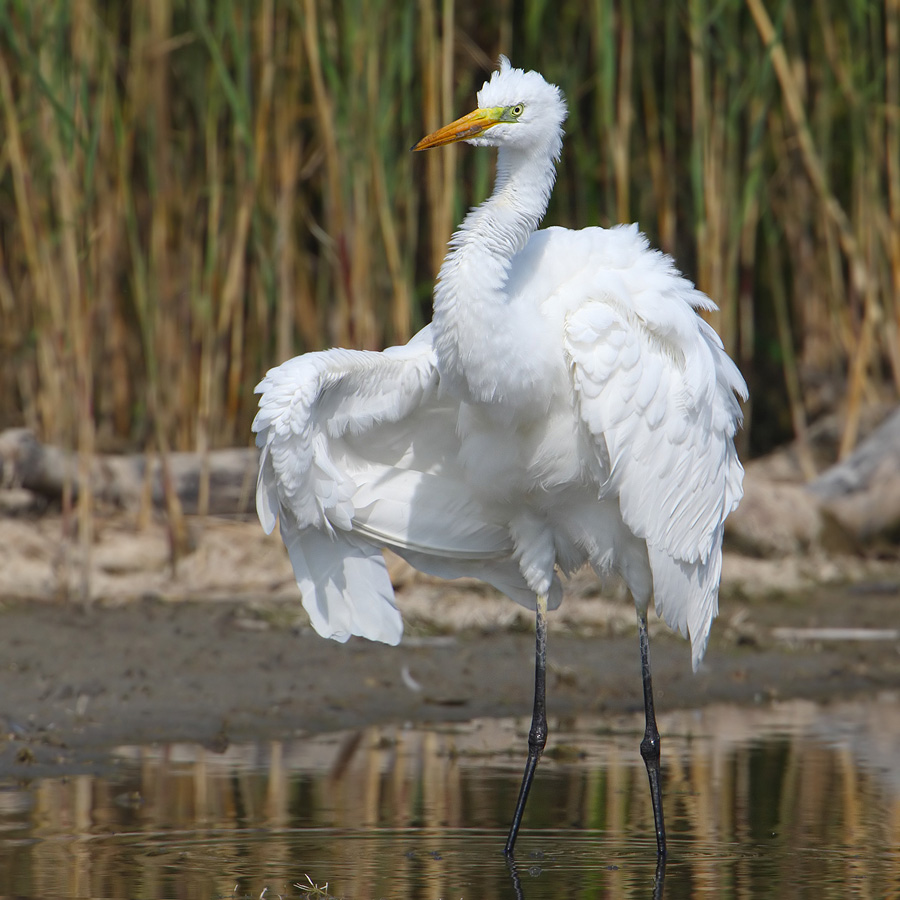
[566, 405]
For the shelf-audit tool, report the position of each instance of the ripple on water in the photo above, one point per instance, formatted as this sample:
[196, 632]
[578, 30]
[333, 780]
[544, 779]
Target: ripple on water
[793, 800]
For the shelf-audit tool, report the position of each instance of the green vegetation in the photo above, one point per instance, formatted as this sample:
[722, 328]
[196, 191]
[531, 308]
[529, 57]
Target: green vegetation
[192, 191]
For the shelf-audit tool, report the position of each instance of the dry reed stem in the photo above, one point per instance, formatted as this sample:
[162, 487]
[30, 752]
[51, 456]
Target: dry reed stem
[794, 104]
[859, 271]
[620, 138]
[892, 157]
[334, 207]
[436, 165]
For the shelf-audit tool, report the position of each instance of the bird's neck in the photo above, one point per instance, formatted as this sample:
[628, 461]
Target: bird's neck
[474, 314]
[501, 225]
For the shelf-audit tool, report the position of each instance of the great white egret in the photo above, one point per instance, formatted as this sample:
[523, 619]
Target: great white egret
[566, 405]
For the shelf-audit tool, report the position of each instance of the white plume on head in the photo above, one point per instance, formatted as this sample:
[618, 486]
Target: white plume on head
[509, 85]
[537, 129]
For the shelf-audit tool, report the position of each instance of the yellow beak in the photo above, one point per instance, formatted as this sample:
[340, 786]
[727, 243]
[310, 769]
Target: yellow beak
[469, 126]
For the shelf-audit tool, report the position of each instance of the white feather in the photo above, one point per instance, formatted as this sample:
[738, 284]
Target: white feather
[567, 405]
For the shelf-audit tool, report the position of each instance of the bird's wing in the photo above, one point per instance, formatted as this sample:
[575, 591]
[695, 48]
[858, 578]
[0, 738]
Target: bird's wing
[311, 401]
[310, 406]
[655, 392]
[358, 451]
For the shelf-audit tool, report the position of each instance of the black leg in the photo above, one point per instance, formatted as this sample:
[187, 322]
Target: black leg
[537, 737]
[650, 743]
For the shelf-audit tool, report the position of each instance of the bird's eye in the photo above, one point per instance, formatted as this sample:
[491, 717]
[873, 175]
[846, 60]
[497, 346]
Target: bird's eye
[517, 110]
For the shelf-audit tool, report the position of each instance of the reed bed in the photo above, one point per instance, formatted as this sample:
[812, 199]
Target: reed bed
[192, 191]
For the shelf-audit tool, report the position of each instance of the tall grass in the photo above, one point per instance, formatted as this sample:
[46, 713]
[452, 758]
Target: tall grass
[192, 191]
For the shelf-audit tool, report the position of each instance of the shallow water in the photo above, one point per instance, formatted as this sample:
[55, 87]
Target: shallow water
[788, 800]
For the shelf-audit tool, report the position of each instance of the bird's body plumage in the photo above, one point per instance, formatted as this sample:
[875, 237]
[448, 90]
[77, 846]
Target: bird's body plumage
[605, 437]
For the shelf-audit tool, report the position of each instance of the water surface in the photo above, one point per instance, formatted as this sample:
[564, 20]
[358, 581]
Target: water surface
[788, 800]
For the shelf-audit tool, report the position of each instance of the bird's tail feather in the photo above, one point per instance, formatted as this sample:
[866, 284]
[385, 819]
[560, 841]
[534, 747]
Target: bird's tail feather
[687, 595]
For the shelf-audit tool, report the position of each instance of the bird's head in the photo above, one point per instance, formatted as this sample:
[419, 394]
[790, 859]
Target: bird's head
[515, 109]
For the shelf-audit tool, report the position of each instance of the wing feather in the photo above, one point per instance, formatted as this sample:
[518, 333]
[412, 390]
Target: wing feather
[310, 407]
[358, 452]
[657, 396]
[313, 399]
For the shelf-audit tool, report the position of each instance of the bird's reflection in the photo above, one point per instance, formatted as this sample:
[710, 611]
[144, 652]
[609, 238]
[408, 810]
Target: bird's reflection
[659, 878]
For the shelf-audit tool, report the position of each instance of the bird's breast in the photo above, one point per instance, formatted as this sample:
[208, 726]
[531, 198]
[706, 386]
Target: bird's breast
[502, 364]
[520, 459]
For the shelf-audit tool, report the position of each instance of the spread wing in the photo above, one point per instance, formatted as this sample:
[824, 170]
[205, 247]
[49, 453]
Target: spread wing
[655, 392]
[358, 451]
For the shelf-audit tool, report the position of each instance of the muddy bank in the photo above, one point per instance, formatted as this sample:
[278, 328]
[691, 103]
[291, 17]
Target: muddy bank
[219, 651]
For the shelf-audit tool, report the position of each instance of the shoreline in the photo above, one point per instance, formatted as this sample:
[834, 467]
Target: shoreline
[78, 680]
